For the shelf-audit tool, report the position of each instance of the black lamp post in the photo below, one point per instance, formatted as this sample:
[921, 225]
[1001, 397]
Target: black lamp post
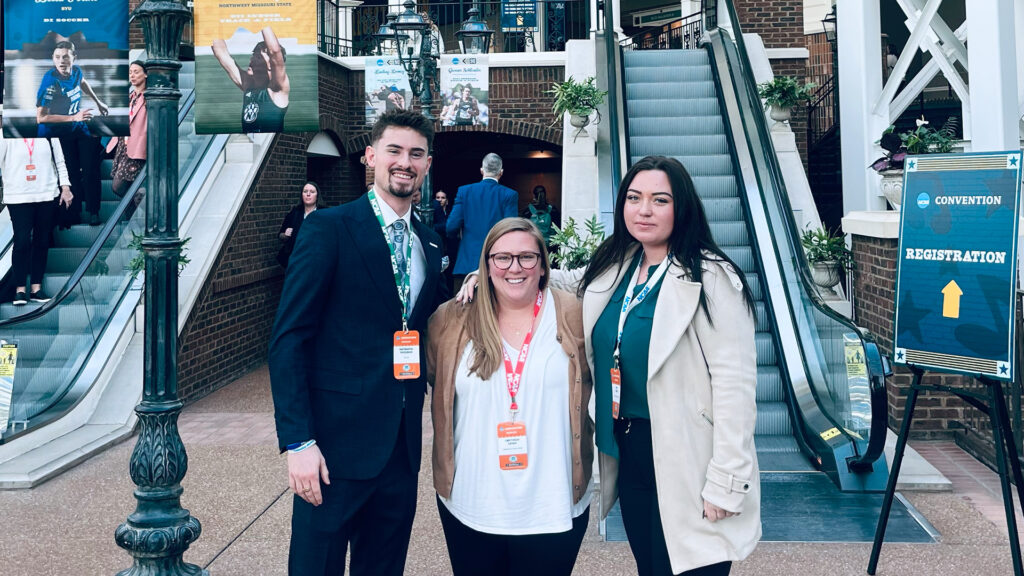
[422, 70]
[385, 35]
[474, 36]
[159, 531]
[829, 24]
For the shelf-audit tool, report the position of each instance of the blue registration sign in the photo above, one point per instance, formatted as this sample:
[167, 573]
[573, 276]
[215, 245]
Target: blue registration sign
[518, 14]
[957, 267]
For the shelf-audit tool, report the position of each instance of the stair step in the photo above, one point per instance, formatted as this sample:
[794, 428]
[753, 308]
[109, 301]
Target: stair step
[773, 419]
[715, 185]
[730, 233]
[697, 166]
[633, 59]
[723, 209]
[672, 107]
[678, 89]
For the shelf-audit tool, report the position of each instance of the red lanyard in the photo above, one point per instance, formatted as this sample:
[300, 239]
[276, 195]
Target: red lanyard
[514, 376]
[31, 145]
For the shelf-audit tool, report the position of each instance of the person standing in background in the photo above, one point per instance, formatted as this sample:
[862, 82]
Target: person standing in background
[130, 151]
[309, 201]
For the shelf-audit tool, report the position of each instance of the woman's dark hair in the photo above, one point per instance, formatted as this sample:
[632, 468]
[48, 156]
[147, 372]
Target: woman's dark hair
[319, 197]
[140, 64]
[689, 243]
[540, 196]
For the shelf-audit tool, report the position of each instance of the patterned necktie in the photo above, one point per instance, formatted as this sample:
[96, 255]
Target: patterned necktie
[398, 241]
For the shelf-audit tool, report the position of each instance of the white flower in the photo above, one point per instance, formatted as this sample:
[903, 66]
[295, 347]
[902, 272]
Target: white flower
[921, 121]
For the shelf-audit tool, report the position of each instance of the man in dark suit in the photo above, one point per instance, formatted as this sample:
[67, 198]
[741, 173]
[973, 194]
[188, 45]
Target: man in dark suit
[478, 207]
[346, 363]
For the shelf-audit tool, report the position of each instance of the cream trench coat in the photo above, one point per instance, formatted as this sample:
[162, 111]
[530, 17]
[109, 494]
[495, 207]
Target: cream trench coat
[701, 387]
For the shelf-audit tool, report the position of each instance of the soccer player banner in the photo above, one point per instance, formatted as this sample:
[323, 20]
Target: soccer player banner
[65, 68]
[386, 87]
[464, 86]
[256, 66]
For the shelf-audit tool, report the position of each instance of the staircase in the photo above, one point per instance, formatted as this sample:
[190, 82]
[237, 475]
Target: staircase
[673, 110]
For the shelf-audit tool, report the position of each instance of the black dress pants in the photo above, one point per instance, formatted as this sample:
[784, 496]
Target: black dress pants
[376, 519]
[638, 498]
[82, 156]
[474, 553]
[32, 223]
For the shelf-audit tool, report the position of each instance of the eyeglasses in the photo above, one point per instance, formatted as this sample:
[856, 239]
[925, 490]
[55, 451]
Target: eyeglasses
[527, 260]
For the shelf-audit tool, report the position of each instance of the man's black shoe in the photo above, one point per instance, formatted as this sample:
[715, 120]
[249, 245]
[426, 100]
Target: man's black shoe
[20, 299]
[39, 296]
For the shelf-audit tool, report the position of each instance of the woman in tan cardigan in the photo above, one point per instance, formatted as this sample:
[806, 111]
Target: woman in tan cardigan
[513, 443]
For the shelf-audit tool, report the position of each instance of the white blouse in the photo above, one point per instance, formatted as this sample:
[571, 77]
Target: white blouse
[537, 500]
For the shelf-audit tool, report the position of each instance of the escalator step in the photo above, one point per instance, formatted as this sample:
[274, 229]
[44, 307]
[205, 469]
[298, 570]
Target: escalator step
[657, 58]
[769, 384]
[765, 344]
[742, 256]
[723, 209]
[671, 107]
[675, 89]
[698, 166]
[730, 233]
[678, 145]
[677, 126]
[772, 419]
[715, 185]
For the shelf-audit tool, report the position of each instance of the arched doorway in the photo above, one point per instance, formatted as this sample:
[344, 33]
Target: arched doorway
[528, 162]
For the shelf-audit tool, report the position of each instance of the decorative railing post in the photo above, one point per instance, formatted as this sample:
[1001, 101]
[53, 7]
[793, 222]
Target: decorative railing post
[159, 531]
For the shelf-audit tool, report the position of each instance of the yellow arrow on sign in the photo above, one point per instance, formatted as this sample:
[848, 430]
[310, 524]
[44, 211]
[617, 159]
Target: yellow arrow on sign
[951, 300]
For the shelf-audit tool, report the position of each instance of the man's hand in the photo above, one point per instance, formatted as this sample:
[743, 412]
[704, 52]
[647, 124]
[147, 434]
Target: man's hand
[288, 232]
[103, 108]
[305, 469]
[82, 115]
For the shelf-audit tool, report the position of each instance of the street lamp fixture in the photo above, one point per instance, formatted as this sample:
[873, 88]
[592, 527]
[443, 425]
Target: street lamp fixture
[420, 64]
[829, 23]
[385, 36]
[474, 37]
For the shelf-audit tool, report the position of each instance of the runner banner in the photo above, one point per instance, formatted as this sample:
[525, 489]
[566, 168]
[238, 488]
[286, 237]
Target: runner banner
[256, 66]
[65, 68]
[464, 87]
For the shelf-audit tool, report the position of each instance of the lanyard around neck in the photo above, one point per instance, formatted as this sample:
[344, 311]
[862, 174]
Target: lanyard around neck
[629, 302]
[514, 376]
[31, 145]
[402, 281]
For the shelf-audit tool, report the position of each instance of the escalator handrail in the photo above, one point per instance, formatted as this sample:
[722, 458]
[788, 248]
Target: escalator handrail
[876, 381]
[98, 244]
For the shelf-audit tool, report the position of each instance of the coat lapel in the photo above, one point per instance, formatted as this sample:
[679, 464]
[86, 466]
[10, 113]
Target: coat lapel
[373, 249]
[673, 313]
[432, 255]
[599, 293]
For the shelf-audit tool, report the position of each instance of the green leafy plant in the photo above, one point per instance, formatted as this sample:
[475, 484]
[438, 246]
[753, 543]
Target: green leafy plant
[138, 263]
[575, 251]
[579, 98]
[821, 245]
[785, 92]
[921, 140]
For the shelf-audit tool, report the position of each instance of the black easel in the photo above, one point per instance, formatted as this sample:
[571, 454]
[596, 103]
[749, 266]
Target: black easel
[1002, 435]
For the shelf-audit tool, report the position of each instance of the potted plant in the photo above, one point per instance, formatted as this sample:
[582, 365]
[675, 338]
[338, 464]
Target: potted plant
[575, 251]
[579, 99]
[827, 253]
[782, 94]
[921, 140]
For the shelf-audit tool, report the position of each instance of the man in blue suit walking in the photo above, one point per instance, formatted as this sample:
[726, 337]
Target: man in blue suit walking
[478, 207]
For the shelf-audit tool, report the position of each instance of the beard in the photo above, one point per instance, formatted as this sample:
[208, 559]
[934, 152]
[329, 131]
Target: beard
[403, 189]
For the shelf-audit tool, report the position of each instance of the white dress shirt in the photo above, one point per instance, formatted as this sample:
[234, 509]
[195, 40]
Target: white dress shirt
[418, 266]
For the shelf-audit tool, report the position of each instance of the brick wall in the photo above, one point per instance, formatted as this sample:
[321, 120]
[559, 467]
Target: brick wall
[780, 23]
[937, 415]
[228, 331]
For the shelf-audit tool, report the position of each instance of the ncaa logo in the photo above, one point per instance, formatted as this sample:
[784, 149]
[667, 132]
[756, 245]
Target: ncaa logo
[455, 61]
[923, 200]
[513, 459]
[380, 62]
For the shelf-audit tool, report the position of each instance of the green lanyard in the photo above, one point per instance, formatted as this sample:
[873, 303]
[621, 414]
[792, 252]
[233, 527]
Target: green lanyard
[402, 282]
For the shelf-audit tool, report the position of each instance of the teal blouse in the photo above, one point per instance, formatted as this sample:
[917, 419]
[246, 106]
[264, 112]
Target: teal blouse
[633, 354]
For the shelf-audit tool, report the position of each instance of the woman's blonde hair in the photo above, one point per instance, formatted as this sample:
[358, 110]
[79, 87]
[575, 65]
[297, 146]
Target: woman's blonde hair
[482, 317]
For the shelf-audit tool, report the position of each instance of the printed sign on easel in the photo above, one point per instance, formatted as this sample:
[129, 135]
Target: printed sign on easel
[8, 364]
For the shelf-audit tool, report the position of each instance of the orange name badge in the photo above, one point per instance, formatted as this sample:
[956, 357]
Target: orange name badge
[616, 392]
[512, 446]
[407, 354]
[30, 172]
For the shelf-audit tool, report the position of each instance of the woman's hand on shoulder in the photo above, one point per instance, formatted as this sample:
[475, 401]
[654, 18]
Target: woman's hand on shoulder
[468, 289]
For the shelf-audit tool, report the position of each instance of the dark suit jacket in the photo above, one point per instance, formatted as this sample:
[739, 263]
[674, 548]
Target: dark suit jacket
[477, 207]
[331, 357]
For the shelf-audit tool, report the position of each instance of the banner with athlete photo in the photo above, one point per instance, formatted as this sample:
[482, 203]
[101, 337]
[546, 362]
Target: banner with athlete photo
[66, 64]
[256, 66]
[464, 89]
[386, 85]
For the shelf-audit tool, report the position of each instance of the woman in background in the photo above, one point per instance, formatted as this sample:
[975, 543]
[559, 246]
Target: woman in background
[130, 151]
[309, 201]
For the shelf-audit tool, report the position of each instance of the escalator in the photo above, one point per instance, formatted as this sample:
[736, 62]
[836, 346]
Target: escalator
[821, 405]
[88, 273]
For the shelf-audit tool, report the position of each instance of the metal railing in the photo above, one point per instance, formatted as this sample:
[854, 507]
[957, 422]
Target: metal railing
[684, 34]
[822, 112]
[520, 26]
